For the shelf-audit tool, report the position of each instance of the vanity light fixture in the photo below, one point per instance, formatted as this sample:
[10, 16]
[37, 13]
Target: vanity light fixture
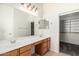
[25, 5]
[36, 10]
[33, 7]
[28, 7]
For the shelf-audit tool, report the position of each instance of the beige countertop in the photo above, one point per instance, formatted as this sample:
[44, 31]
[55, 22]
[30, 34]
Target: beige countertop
[6, 45]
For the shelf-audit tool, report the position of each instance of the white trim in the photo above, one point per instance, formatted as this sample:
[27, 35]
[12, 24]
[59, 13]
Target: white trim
[68, 12]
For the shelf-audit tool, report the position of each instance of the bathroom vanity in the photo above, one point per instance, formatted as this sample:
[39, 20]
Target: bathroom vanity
[20, 33]
[42, 45]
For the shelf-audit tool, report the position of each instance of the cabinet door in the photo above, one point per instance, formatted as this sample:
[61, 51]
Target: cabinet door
[25, 48]
[42, 48]
[43, 51]
[11, 53]
[44, 43]
[27, 53]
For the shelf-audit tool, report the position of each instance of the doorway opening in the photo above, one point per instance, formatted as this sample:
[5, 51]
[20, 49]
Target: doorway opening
[69, 33]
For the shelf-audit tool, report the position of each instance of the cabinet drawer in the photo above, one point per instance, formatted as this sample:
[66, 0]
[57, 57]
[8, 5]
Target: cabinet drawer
[36, 43]
[11, 53]
[45, 40]
[27, 53]
[25, 48]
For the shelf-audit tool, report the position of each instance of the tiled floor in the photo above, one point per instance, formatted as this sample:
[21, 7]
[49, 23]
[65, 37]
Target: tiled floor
[51, 53]
[69, 48]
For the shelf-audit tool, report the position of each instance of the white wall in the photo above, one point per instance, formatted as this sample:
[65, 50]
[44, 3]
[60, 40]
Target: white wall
[52, 12]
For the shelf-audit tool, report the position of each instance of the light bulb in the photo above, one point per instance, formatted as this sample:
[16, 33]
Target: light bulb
[32, 7]
[36, 12]
[36, 9]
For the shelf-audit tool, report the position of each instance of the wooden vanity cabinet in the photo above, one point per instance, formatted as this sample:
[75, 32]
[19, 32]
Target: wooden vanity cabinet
[11, 53]
[43, 47]
[23, 51]
[27, 53]
[26, 50]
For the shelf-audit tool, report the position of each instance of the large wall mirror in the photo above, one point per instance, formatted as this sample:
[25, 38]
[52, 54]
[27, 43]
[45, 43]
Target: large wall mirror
[14, 22]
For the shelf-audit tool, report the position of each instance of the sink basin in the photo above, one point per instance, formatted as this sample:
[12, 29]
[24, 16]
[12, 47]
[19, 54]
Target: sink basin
[12, 41]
